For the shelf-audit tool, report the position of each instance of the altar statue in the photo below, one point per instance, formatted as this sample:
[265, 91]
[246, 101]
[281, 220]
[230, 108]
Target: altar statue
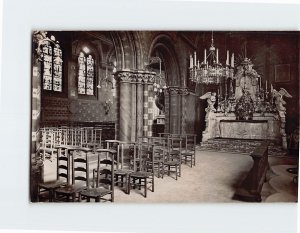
[246, 79]
[279, 102]
[211, 100]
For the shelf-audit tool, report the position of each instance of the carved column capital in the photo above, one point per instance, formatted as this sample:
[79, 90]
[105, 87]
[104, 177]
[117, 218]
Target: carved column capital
[183, 91]
[173, 90]
[139, 78]
[133, 78]
[124, 76]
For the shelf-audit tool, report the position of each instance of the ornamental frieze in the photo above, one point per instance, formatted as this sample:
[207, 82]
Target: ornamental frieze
[135, 76]
[178, 91]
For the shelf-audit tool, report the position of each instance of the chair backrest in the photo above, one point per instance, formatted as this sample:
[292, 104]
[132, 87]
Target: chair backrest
[105, 168]
[80, 168]
[63, 166]
[98, 136]
[163, 134]
[174, 148]
[47, 138]
[144, 157]
[125, 155]
[189, 142]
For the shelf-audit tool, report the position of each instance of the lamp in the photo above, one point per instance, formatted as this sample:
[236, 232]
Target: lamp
[159, 81]
[106, 77]
[210, 71]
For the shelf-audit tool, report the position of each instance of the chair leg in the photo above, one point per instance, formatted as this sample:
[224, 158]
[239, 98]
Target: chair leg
[145, 186]
[152, 183]
[176, 171]
[129, 185]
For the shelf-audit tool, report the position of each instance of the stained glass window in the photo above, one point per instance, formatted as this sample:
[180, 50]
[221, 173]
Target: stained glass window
[86, 75]
[52, 67]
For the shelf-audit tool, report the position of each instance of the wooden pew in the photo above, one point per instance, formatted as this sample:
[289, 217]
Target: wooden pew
[250, 188]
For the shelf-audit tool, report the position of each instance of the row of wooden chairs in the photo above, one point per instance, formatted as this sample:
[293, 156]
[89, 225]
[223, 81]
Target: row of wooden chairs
[130, 165]
[90, 137]
[81, 186]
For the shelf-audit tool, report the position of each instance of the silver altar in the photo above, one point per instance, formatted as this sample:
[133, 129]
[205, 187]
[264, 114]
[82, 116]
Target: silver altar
[247, 112]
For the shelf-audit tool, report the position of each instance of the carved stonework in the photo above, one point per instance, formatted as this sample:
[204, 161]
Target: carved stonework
[244, 108]
[133, 78]
[183, 91]
[124, 76]
[173, 90]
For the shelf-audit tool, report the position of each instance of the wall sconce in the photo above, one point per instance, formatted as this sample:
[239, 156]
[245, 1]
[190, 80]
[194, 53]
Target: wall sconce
[107, 105]
[106, 79]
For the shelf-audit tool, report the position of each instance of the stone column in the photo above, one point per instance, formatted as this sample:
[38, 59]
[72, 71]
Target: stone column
[183, 96]
[150, 103]
[145, 117]
[133, 108]
[167, 111]
[36, 109]
[174, 114]
[36, 164]
[125, 105]
[139, 106]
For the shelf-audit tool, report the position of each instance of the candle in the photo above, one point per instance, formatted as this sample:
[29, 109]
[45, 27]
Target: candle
[259, 83]
[198, 64]
[191, 61]
[271, 88]
[227, 58]
[232, 60]
[217, 56]
[204, 56]
[195, 58]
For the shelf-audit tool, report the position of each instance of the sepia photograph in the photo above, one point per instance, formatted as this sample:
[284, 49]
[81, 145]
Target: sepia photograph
[149, 116]
[164, 116]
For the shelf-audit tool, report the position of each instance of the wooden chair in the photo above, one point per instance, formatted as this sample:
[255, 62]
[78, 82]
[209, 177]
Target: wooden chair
[47, 149]
[144, 174]
[124, 167]
[159, 144]
[104, 178]
[173, 157]
[189, 149]
[62, 176]
[80, 176]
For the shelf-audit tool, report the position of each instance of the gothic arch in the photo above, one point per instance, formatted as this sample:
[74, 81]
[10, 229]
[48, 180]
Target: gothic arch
[164, 44]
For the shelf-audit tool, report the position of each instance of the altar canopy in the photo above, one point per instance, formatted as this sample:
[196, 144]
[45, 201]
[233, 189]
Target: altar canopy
[249, 108]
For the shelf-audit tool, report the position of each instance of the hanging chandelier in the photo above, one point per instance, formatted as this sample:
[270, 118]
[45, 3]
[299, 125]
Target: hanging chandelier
[210, 71]
[159, 84]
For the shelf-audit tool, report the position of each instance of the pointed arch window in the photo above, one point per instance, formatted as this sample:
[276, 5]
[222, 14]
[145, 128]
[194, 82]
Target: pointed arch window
[86, 75]
[52, 66]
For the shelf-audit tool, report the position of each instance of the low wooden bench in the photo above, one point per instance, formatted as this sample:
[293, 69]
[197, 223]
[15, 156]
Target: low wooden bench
[250, 188]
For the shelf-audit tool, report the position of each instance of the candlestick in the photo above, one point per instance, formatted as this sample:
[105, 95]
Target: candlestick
[204, 56]
[198, 64]
[259, 83]
[217, 56]
[271, 88]
[232, 60]
[191, 61]
[195, 58]
[227, 58]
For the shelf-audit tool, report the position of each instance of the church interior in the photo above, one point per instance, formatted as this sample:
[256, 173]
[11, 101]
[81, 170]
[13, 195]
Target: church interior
[164, 116]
